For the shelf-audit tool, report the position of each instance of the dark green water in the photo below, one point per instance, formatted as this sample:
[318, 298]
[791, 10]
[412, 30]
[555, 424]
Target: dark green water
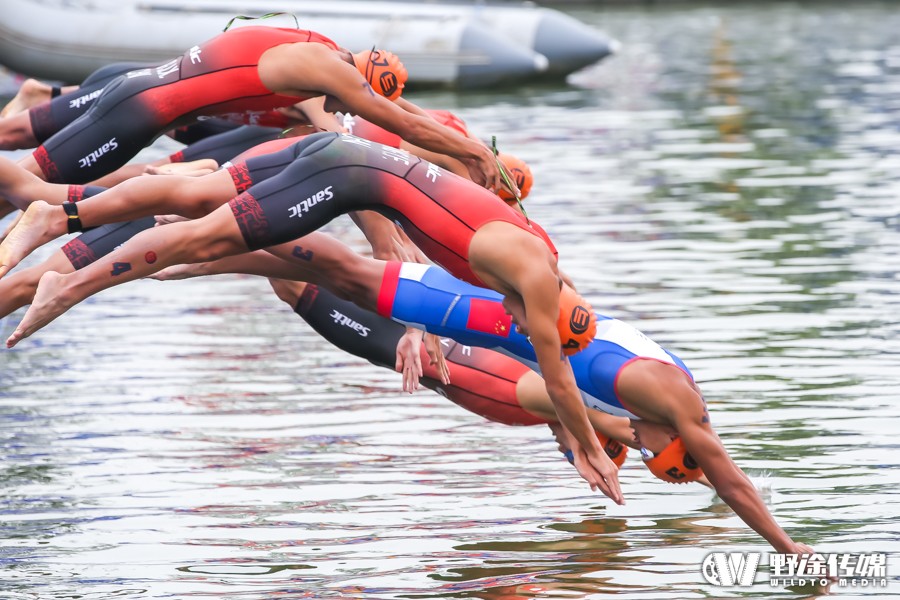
[728, 183]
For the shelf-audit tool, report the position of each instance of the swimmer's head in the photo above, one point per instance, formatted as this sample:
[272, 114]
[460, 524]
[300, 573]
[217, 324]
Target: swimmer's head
[673, 464]
[383, 70]
[521, 175]
[577, 322]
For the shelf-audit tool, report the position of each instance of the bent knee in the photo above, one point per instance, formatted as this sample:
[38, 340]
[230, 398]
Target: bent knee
[16, 134]
[195, 206]
[206, 240]
[195, 199]
[16, 140]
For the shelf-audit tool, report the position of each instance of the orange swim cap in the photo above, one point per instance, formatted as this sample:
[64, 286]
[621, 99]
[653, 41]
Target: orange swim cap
[577, 322]
[614, 450]
[383, 70]
[520, 173]
[673, 464]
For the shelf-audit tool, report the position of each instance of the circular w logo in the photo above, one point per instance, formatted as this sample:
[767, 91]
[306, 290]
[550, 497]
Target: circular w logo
[580, 320]
[388, 83]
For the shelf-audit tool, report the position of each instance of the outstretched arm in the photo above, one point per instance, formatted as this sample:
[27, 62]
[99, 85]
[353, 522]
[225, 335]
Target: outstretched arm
[527, 277]
[664, 394]
[542, 309]
[313, 110]
[321, 69]
[428, 134]
[731, 484]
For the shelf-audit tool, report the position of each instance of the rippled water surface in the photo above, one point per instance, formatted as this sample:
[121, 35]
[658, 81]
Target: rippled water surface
[728, 183]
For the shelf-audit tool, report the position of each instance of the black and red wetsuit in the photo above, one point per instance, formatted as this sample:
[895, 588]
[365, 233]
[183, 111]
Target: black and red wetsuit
[222, 147]
[338, 173]
[260, 161]
[482, 381]
[218, 77]
[49, 117]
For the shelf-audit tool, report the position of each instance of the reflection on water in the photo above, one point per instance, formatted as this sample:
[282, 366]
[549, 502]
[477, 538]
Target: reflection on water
[728, 183]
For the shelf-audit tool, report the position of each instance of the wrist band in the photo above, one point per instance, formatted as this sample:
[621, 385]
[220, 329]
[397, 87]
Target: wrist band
[55, 91]
[73, 221]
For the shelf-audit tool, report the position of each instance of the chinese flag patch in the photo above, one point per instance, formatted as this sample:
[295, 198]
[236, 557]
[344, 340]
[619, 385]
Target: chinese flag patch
[488, 316]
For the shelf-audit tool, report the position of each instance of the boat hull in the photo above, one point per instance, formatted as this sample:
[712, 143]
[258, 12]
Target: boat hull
[441, 45]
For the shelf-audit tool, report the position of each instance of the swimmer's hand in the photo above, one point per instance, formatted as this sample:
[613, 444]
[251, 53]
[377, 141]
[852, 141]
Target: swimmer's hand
[599, 471]
[432, 345]
[409, 361]
[509, 184]
[800, 548]
[484, 171]
[383, 235]
[821, 585]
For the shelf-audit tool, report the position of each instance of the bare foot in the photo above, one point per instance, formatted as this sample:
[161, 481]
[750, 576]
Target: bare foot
[194, 168]
[12, 225]
[49, 302]
[32, 93]
[176, 272]
[33, 229]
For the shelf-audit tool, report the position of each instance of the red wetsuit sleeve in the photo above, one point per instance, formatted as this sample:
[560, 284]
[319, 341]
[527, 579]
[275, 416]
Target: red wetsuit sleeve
[221, 75]
[483, 382]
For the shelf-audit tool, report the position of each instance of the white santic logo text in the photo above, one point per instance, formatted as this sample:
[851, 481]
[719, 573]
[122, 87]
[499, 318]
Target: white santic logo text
[82, 100]
[346, 321]
[96, 154]
[301, 207]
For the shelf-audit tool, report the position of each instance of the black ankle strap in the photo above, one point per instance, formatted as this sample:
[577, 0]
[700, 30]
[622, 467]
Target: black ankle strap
[73, 223]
